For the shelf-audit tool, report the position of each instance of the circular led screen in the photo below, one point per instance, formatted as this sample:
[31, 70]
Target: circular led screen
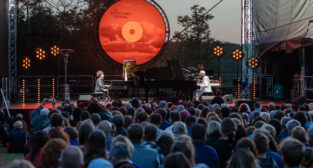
[132, 30]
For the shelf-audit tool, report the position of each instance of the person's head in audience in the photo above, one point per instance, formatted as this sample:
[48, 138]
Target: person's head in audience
[247, 144]
[20, 163]
[71, 157]
[56, 120]
[84, 130]
[198, 132]
[292, 124]
[135, 133]
[262, 144]
[165, 141]
[299, 133]
[118, 121]
[293, 152]
[186, 149]
[141, 117]
[179, 128]
[18, 125]
[150, 133]
[242, 158]
[59, 133]
[176, 160]
[50, 153]
[95, 118]
[174, 116]
[106, 127]
[229, 128]
[84, 115]
[96, 147]
[125, 140]
[214, 129]
[120, 152]
[156, 119]
[72, 132]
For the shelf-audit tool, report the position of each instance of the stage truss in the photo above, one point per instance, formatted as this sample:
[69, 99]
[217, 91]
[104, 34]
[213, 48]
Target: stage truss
[12, 46]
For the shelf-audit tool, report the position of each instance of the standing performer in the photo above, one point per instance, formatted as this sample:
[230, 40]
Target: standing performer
[205, 86]
[101, 87]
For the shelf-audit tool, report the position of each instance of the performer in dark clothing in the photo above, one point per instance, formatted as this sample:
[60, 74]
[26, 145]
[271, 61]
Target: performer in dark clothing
[100, 86]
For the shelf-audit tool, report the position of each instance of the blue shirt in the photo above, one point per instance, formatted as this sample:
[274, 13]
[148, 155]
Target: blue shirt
[277, 158]
[145, 157]
[206, 154]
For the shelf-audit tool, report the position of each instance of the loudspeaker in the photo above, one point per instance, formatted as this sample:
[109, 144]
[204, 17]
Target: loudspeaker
[228, 98]
[249, 102]
[84, 98]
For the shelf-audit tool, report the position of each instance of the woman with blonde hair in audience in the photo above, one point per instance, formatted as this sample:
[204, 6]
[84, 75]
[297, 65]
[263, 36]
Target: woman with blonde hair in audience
[300, 134]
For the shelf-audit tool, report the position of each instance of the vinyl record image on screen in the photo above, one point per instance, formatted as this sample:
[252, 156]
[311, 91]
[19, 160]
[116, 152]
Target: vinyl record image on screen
[132, 30]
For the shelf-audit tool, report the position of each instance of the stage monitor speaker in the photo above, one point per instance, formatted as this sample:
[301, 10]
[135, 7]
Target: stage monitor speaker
[84, 98]
[249, 102]
[176, 70]
[228, 98]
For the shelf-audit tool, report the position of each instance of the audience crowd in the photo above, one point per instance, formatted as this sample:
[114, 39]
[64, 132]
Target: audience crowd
[190, 134]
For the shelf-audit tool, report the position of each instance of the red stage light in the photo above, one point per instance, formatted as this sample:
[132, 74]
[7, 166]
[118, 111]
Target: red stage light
[132, 30]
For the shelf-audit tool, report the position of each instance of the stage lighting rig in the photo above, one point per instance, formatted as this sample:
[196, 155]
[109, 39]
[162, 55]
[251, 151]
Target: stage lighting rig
[253, 63]
[40, 53]
[218, 52]
[26, 63]
[55, 50]
[237, 55]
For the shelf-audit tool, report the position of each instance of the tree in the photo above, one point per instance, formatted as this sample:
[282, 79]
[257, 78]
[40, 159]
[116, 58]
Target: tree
[196, 26]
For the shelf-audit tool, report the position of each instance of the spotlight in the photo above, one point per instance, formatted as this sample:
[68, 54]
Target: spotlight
[253, 62]
[218, 51]
[237, 55]
[40, 53]
[26, 63]
[55, 50]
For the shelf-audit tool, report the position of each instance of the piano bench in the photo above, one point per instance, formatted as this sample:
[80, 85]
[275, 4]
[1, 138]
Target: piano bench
[207, 97]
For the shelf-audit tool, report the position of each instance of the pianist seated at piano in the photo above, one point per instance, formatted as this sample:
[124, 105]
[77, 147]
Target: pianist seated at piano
[101, 87]
[205, 86]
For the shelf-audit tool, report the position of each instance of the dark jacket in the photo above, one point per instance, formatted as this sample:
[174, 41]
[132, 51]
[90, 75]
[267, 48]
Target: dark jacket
[17, 140]
[224, 148]
[206, 154]
[99, 85]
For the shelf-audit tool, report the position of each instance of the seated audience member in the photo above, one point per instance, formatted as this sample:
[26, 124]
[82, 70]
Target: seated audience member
[56, 121]
[156, 119]
[174, 117]
[308, 158]
[59, 133]
[203, 153]
[125, 140]
[4, 136]
[17, 138]
[213, 132]
[178, 129]
[242, 158]
[218, 98]
[142, 156]
[95, 118]
[39, 118]
[292, 124]
[190, 120]
[73, 134]
[187, 149]
[84, 130]
[50, 153]
[165, 141]
[150, 135]
[299, 133]
[176, 160]
[121, 155]
[71, 157]
[118, 121]
[293, 152]
[19, 117]
[37, 141]
[262, 144]
[247, 144]
[225, 145]
[107, 128]
[95, 152]
[164, 114]
[20, 164]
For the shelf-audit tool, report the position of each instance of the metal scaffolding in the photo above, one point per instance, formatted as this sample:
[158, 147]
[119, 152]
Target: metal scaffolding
[247, 36]
[12, 47]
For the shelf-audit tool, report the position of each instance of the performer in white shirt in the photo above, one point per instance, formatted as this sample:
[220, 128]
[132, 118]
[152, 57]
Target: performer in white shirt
[205, 86]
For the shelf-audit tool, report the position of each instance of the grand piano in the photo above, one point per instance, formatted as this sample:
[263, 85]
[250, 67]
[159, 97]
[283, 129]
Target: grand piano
[169, 77]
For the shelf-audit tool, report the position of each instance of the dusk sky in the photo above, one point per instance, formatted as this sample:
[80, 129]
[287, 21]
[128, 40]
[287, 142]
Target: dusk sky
[225, 26]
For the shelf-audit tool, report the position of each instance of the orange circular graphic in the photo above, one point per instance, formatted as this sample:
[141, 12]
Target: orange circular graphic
[132, 30]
